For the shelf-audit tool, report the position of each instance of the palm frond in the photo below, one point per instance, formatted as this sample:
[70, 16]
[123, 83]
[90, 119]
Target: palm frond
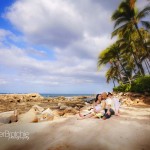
[143, 13]
[121, 20]
[146, 24]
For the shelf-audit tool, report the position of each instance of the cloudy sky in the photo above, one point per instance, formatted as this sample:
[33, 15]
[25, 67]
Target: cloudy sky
[52, 46]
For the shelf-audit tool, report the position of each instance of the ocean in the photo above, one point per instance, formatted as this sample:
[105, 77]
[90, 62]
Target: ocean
[65, 95]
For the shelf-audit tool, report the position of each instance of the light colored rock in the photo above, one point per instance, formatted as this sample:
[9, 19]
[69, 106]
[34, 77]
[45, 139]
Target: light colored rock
[59, 104]
[121, 94]
[30, 116]
[9, 117]
[46, 115]
[63, 107]
[38, 108]
[22, 104]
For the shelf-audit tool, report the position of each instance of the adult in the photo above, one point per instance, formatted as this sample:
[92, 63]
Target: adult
[110, 107]
[98, 109]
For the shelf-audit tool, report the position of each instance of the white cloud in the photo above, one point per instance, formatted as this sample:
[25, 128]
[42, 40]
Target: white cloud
[59, 23]
[76, 31]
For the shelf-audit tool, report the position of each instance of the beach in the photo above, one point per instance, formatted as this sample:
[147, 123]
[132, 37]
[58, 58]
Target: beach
[129, 131]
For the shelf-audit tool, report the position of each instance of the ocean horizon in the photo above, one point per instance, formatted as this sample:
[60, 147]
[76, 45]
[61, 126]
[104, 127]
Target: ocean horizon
[55, 95]
[65, 95]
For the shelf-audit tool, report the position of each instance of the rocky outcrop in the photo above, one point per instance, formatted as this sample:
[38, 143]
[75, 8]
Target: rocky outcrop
[35, 108]
[21, 102]
[31, 115]
[19, 98]
[46, 115]
[130, 99]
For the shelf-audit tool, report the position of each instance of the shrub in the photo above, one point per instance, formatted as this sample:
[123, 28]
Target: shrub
[140, 85]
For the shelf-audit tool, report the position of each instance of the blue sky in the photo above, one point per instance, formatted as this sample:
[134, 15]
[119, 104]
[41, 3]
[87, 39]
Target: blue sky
[51, 46]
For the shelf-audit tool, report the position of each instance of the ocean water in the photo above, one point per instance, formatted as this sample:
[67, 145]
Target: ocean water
[65, 95]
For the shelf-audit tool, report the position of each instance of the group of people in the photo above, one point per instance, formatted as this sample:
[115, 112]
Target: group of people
[104, 106]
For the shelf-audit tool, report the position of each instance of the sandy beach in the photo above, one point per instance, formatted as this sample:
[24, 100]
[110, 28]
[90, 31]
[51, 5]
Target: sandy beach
[130, 131]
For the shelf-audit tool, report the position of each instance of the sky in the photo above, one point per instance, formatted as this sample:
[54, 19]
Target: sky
[52, 46]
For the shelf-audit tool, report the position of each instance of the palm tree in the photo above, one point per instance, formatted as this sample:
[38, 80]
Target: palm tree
[127, 15]
[129, 52]
[111, 56]
[112, 74]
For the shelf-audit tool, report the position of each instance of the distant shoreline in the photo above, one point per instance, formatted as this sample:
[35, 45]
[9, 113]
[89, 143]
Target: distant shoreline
[54, 95]
[65, 95]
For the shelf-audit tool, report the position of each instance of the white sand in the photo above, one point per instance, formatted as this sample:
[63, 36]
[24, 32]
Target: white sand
[130, 131]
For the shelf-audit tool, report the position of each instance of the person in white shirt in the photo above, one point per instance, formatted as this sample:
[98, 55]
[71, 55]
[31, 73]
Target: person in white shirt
[112, 106]
[109, 109]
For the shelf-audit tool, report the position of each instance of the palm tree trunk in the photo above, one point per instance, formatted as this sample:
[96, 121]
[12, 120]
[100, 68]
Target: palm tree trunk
[122, 66]
[140, 67]
[119, 75]
[114, 82]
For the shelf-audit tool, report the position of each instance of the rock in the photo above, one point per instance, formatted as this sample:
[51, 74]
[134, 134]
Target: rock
[125, 94]
[22, 104]
[61, 112]
[46, 115]
[70, 110]
[68, 115]
[38, 108]
[121, 94]
[47, 111]
[18, 98]
[77, 108]
[59, 104]
[30, 116]
[9, 117]
[80, 105]
[147, 93]
[62, 98]
[127, 101]
[54, 107]
[136, 95]
[56, 113]
[90, 99]
[63, 107]
[136, 101]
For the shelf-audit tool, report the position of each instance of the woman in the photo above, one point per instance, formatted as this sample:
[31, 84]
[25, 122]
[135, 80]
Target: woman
[98, 109]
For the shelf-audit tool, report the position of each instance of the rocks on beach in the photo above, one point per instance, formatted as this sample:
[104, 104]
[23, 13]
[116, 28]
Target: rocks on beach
[35, 108]
[47, 120]
[132, 99]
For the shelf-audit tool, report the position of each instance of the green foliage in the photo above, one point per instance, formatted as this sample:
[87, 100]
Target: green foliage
[140, 85]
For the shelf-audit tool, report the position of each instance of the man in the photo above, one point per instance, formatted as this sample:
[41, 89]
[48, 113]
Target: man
[110, 106]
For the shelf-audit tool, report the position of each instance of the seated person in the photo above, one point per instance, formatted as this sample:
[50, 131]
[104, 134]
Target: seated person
[98, 108]
[110, 109]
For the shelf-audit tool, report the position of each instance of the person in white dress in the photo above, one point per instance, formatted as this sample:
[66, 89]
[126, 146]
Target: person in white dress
[98, 109]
